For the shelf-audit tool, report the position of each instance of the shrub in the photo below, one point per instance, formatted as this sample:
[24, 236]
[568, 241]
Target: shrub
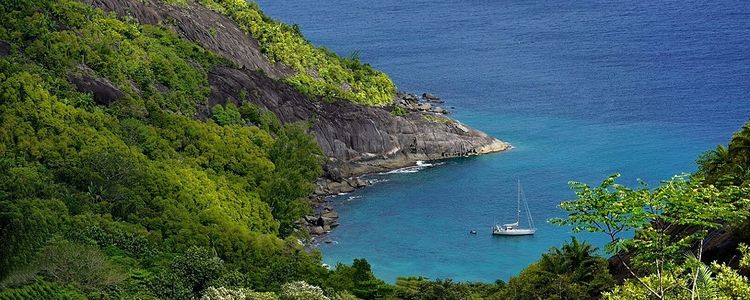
[223, 293]
[41, 290]
[300, 290]
[83, 266]
[197, 267]
[399, 111]
[226, 115]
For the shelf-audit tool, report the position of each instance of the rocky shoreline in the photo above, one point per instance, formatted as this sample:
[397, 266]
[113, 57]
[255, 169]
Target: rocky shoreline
[426, 103]
[326, 218]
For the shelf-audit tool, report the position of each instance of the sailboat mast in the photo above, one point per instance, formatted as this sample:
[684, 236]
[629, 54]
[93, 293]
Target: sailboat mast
[518, 211]
[528, 211]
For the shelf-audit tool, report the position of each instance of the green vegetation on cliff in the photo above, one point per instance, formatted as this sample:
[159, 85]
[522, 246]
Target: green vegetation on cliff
[138, 199]
[319, 72]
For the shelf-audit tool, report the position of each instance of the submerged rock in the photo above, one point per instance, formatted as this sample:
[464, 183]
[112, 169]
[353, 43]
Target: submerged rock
[357, 182]
[328, 221]
[424, 106]
[430, 97]
[440, 110]
[317, 230]
[330, 214]
[339, 187]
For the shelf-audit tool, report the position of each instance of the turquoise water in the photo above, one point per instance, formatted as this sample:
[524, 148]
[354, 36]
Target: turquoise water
[581, 90]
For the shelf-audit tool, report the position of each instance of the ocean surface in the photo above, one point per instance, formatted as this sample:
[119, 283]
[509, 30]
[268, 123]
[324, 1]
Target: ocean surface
[582, 89]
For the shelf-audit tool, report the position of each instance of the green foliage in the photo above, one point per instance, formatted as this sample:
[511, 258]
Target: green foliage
[223, 293]
[25, 226]
[226, 115]
[399, 111]
[728, 284]
[82, 266]
[419, 288]
[300, 290]
[41, 290]
[197, 267]
[570, 272]
[728, 165]
[262, 118]
[344, 295]
[320, 73]
[297, 158]
[142, 60]
[139, 199]
[357, 279]
[170, 286]
[437, 119]
[614, 210]
[712, 282]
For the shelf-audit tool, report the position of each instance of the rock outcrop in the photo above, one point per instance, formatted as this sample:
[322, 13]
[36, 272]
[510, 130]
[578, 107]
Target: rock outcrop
[356, 139]
[200, 25]
[320, 223]
[85, 80]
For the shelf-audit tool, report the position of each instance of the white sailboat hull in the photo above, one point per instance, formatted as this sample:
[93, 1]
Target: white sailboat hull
[516, 231]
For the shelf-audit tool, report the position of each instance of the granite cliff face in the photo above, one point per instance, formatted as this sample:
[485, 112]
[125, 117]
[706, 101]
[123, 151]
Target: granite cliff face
[356, 139]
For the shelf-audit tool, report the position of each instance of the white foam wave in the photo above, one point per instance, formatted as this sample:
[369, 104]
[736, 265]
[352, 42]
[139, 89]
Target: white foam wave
[419, 166]
[376, 180]
[413, 169]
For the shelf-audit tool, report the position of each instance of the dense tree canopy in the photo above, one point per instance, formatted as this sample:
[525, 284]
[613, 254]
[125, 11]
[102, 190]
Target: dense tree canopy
[139, 195]
[728, 165]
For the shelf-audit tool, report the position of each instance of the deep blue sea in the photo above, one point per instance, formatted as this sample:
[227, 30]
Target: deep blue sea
[582, 89]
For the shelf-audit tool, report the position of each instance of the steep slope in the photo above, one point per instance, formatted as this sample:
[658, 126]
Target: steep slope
[151, 162]
[356, 138]
[110, 187]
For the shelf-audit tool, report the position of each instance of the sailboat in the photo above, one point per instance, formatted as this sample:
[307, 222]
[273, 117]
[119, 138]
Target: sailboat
[515, 228]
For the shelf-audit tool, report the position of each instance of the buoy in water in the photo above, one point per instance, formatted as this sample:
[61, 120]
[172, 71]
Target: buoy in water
[473, 231]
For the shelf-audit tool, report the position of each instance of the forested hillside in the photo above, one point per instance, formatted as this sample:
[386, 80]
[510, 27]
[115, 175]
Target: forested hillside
[138, 198]
[112, 187]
